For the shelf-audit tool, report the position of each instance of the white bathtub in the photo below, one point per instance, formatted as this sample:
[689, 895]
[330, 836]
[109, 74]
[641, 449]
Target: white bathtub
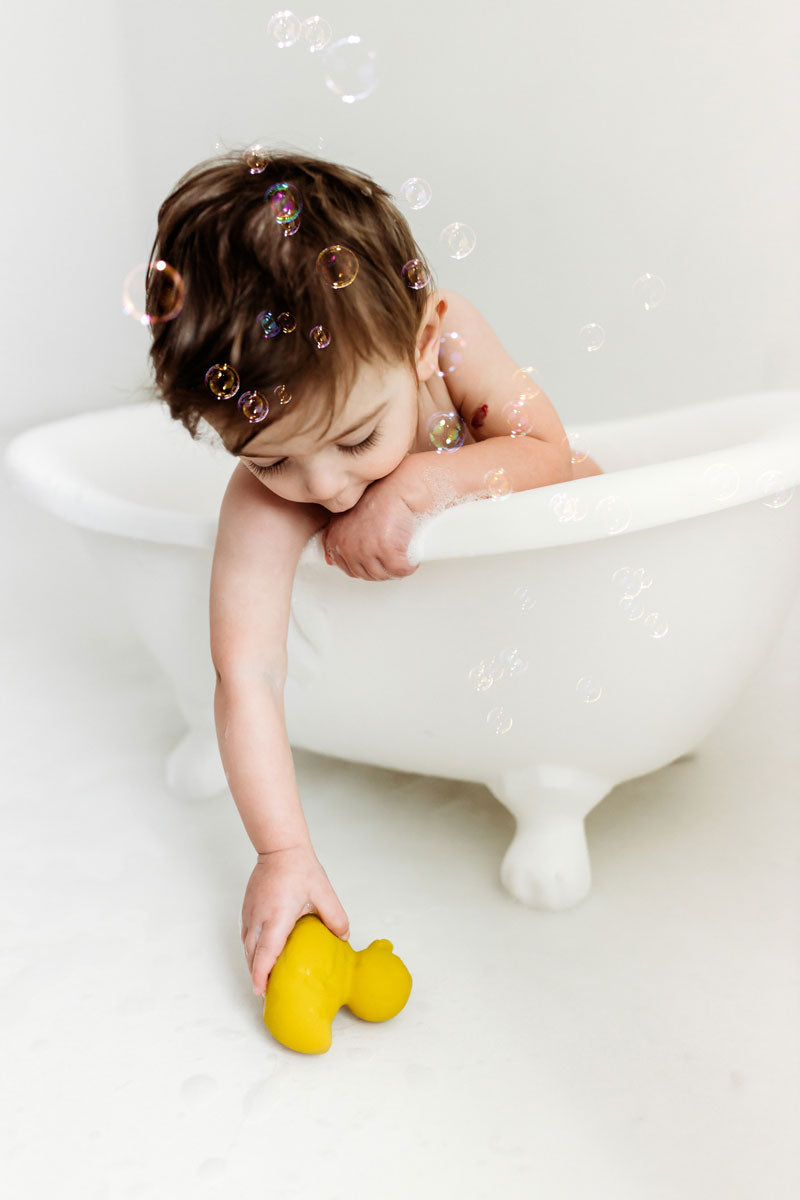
[616, 674]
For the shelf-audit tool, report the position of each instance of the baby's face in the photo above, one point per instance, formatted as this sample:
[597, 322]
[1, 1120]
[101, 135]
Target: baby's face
[371, 436]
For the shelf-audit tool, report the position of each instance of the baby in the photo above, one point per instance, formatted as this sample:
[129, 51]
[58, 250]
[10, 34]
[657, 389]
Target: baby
[312, 339]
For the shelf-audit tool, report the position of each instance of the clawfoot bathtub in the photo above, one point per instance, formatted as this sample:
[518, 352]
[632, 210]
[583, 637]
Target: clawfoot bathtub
[551, 645]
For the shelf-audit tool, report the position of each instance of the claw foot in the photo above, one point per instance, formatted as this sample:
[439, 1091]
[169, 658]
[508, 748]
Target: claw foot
[547, 866]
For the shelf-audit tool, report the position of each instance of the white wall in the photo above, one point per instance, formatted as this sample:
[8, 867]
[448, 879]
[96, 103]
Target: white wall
[586, 142]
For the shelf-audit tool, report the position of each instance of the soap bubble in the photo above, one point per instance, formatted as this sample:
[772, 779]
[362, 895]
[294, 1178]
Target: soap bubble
[499, 721]
[285, 202]
[616, 513]
[588, 690]
[446, 431]
[317, 33]
[525, 598]
[592, 337]
[337, 265]
[320, 336]
[523, 383]
[451, 353]
[721, 480]
[518, 417]
[284, 28]
[510, 662]
[416, 192]
[222, 381]
[166, 293]
[458, 239]
[498, 484]
[256, 159]
[282, 393]
[291, 229]
[656, 625]
[269, 326]
[768, 484]
[254, 405]
[416, 274]
[577, 450]
[350, 70]
[649, 290]
[480, 678]
[287, 322]
[630, 581]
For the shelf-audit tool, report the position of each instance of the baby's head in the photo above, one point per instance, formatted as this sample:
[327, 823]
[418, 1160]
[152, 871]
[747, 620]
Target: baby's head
[257, 281]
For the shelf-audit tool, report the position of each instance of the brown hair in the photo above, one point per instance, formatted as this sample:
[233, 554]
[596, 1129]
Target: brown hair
[236, 261]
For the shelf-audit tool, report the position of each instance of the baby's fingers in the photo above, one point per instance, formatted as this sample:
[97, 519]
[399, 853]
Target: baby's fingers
[268, 946]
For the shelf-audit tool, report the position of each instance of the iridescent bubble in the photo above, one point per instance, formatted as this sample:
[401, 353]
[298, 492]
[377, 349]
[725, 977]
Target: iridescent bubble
[222, 381]
[291, 229]
[616, 513]
[649, 290]
[518, 417]
[524, 385]
[416, 192]
[632, 607]
[166, 293]
[458, 239]
[320, 336]
[577, 447]
[337, 265]
[446, 431]
[451, 353]
[525, 598]
[416, 274]
[631, 581]
[285, 202]
[497, 483]
[656, 625]
[317, 33]
[254, 405]
[256, 159]
[287, 322]
[479, 678]
[282, 393]
[269, 326]
[350, 69]
[588, 689]
[284, 28]
[770, 486]
[566, 507]
[499, 721]
[592, 337]
[511, 662]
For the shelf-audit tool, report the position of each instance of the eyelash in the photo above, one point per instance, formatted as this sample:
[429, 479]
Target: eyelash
[277, 467]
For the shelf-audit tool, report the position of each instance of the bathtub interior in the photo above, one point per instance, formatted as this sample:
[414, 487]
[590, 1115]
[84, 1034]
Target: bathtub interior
[139, 455]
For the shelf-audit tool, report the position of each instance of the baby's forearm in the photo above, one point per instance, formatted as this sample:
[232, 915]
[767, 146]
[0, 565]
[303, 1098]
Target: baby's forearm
[429, 479]
[255, 752]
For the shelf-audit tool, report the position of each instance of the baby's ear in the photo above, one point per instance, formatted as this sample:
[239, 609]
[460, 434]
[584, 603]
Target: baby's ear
[429, 336]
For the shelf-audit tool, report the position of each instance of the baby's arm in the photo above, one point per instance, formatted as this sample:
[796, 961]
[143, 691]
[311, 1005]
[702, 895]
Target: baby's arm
[259, 541]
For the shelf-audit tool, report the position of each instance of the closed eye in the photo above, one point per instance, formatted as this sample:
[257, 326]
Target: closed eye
[276, 467]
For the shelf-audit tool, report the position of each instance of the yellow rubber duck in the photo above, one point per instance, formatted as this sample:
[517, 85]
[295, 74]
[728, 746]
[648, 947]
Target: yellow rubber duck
[316, 973]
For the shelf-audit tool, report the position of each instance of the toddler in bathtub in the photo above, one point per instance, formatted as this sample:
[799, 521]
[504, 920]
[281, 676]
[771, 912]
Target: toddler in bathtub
[313, 341]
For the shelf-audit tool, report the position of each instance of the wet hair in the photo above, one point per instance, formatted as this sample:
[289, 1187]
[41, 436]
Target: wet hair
[237, 261]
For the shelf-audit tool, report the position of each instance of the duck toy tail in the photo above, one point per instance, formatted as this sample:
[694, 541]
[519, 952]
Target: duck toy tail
[317, 973]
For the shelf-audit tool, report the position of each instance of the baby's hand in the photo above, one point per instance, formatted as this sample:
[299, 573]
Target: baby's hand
[370, 541]
[284, 886]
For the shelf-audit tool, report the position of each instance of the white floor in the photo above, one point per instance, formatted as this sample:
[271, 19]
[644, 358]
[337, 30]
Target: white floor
[644, 1046]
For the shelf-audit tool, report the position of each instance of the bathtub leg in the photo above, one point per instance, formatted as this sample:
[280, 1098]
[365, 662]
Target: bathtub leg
[194, 768]
[547, 863]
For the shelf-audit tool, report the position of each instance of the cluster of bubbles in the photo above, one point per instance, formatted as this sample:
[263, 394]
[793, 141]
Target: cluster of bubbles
[507, 663]
[286, 29]
[614, 512]
[337, 266]
[446, 431]
[222, 380]
[631, 583]
[350, 66]
[722, 481]
[168, 292]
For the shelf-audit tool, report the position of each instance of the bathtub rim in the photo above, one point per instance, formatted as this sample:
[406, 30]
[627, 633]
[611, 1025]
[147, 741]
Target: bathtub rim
[474, 528]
